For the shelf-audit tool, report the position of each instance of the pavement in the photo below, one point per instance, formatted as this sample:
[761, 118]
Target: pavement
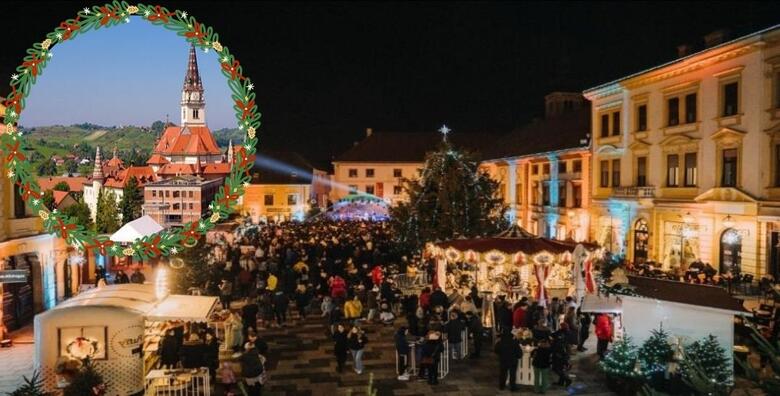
[301, 362]
[17, 361]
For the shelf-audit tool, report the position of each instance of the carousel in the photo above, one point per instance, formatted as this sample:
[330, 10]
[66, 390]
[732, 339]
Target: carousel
[514, 263]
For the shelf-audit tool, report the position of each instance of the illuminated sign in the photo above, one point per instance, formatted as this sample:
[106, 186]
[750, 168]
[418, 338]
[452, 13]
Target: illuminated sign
[14, 276]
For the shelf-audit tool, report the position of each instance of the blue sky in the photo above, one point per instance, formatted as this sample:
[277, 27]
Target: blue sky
[125, 75]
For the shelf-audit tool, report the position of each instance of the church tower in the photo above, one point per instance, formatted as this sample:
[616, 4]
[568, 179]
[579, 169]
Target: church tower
[193, 104]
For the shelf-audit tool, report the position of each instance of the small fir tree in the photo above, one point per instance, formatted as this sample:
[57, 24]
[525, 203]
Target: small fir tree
[32, 386]
[621, 361]
[197, 269]
[87, 382]
[655, 353]
[707, 358]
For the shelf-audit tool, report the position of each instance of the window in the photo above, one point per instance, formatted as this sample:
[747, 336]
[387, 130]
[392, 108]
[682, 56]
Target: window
[369, 173]
[777, 90]
[577, 165]
[546, 169]
[690, 108]
[604, 125]
[674, 112]
[691, 173]
[519, 193]
[154, 193]
[562, 195]
[615, 172]
[353, 173]
[190, 194]
[352, 189]
[167, 193]
[370, 190]
[641, 171]
[20, 211]
[397, 190]
[268, 199]
[616, 123]
[535, 170]
[546, 194]
[191, 206]
[176, 206]
[195, 114]
[604, 168]
[397, 173]
[562, 167]
[176, 194]
[577, 193]
[730, 99]
[672, 170]
[292, 199]
[729, 177]
[777, 165]
[535, 194]
[641, 118]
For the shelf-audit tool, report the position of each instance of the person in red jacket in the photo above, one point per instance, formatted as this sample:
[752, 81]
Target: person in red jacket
[338, 287]
[603, 334]
[518, 316]
[377, 275]
[425, 299]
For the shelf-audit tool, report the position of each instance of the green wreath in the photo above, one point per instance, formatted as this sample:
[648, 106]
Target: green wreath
[166, 242]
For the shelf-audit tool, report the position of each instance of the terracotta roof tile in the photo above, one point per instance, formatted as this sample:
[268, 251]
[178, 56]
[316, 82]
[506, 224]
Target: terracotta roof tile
[157, 159]
[76, 184]
[187, 141]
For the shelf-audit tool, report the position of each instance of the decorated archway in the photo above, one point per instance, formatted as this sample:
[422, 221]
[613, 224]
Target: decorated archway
[641, 238]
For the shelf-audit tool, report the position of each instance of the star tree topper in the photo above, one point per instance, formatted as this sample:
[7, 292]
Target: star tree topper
[444, 131]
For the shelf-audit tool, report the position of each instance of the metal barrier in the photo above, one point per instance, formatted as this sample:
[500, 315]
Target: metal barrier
[404, 281]
[184, 382]
[412, 366]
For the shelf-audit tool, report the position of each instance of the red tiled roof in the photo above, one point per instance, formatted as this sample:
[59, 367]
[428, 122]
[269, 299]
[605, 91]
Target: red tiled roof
[59, 196]
[157, 159]
[187, 140]
[76, 184]
[143, 174]
[177, 169]
[115, 163]
[222, 168]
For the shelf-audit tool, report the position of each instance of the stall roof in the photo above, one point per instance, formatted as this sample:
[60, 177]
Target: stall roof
[596, 303]
[138, 228]
[140, 298]
[186, 308]
[686, 293]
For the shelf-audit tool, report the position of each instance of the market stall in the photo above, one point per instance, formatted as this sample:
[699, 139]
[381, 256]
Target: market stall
[515, 263]
[117, 327]
[130, 232]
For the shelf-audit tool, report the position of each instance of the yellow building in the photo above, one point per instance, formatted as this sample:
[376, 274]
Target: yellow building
[543, 170]
[378, 164]
[52, 276]
[284, 187]
[686, 158]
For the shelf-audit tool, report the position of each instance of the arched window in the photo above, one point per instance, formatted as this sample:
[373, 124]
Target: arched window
[641, 237]
[731, 251]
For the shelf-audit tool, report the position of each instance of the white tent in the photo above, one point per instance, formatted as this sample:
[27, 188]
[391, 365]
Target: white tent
[138, 228]
[108, 324]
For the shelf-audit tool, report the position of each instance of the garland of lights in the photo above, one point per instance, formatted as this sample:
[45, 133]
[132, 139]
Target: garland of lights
[12, 144]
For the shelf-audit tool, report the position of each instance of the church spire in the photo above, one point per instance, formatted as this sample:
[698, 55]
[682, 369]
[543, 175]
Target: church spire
[193, 104]
[97, 171]
[230, 153]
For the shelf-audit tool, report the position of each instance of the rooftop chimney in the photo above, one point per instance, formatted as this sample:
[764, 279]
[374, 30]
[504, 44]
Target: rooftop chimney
[714, 38]
[683, 50]
[369, 131]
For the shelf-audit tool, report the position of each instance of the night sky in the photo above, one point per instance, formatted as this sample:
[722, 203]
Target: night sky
[326, 71]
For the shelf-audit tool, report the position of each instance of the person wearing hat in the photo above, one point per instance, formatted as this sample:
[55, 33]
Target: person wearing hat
[252, 369]
[430, 356]
[357, 341]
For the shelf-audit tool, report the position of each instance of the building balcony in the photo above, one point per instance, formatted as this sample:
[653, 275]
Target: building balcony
[633, 192]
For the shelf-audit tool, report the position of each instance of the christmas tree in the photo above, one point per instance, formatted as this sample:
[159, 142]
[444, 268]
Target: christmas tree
[32, 386]
[621, 361]
[655, 353]
[106, 216]
[706, 361]
[450, 199]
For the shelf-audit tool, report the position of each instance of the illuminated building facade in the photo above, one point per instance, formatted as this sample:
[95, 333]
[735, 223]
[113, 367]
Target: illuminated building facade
[284, 186]
[543, 169]
[686, 158]
[52, 274]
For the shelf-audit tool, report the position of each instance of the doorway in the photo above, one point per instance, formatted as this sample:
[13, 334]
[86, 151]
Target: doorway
[641, 236]
[731, 251]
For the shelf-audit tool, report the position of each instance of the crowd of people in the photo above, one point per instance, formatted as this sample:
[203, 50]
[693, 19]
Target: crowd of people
[343, 272]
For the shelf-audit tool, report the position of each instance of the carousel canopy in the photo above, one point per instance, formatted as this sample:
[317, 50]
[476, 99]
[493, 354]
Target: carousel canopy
[512, 241]
[138, 228]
